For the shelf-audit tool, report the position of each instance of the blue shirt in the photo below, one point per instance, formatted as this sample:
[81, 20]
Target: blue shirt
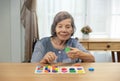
[44, 45]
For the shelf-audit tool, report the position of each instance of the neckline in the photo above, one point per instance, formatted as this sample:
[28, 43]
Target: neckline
[54, 47]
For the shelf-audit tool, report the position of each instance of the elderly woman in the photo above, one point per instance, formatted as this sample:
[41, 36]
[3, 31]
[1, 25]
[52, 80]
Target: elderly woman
[52, 49]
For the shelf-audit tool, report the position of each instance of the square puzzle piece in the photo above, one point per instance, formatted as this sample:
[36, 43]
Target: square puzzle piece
[46, 69]
[51, 69]
[39, 69]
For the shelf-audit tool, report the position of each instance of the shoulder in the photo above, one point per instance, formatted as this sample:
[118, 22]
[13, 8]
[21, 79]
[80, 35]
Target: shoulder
[72, 42]
[43, 41]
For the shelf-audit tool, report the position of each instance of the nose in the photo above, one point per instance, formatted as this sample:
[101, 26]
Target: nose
[64, 29]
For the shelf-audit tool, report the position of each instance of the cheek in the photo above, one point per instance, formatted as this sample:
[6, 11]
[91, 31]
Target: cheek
[57, 30]
[71, 31]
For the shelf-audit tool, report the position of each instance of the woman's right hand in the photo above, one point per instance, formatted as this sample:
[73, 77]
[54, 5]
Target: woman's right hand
[49, 58]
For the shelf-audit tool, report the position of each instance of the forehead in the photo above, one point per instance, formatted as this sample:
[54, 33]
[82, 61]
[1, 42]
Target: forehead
[65, 21]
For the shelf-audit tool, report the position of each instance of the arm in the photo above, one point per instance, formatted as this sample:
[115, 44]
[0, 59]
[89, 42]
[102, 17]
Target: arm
[38, 52]
[78, 51]
[40, 55]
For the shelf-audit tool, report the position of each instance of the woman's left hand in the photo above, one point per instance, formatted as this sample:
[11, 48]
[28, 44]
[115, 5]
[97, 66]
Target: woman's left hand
[76, 53]
[73, 53]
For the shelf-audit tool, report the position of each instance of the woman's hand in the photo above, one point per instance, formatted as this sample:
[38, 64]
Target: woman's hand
[49, 58]
[76, 53]
[73, 53]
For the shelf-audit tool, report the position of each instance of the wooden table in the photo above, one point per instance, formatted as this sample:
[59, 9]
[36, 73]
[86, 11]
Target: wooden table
[100, 44]
[25, 72]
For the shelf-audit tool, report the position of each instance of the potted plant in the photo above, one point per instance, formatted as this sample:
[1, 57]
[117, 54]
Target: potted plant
[85, 31]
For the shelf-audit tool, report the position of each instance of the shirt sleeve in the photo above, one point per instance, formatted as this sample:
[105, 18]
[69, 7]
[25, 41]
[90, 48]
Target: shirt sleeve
[81, 47]
[38, 52]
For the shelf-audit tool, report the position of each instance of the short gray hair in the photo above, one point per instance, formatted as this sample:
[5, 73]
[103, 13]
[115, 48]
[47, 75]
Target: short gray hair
[58, 18]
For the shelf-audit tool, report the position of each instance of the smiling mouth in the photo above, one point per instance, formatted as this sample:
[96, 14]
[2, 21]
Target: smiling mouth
[64, 35]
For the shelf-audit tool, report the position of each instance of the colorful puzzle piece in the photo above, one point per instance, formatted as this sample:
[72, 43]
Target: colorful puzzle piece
[72, 70]
[62, 69]
[47, 69]
[39, 69]
[67, 49]
[91, 69]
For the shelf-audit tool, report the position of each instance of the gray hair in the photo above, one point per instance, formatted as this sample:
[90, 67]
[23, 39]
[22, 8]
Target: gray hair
[58, 18]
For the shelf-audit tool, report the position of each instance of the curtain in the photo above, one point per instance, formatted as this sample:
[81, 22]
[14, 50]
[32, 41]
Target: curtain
[30, 23]
[49, 8]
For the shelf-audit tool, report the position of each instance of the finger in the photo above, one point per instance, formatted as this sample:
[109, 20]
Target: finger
[71, 48]
[71, 55]
[74, 49]
[71, 52]
[53, 56]
[47, 60]
[50, 58]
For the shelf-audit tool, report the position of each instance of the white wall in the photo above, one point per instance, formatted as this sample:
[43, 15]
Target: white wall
[11, 46]
[5, 40]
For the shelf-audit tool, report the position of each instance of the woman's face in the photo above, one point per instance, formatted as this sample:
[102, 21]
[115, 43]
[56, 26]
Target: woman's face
[64, 29]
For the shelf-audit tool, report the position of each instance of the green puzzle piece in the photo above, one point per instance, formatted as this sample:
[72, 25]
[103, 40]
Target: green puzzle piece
[67, 49]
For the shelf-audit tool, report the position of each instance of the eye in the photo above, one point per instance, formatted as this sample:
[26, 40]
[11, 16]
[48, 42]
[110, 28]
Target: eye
[68, 26]
[59, 26]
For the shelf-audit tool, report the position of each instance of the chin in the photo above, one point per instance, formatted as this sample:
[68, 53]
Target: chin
[64, 38]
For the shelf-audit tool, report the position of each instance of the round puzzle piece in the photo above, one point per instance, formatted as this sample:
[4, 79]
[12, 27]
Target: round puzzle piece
[91, 69]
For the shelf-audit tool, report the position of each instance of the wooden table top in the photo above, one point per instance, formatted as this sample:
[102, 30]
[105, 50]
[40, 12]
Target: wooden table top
[25, 72]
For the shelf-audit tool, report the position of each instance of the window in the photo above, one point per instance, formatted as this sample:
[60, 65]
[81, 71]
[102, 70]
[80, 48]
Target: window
[115, 19]
[47, 9]
[101, 15]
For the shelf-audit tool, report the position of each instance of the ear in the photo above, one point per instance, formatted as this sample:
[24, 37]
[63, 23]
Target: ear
[72, 32]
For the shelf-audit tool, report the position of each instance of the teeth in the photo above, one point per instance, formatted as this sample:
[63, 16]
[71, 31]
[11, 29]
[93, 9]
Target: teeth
[63, 34]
